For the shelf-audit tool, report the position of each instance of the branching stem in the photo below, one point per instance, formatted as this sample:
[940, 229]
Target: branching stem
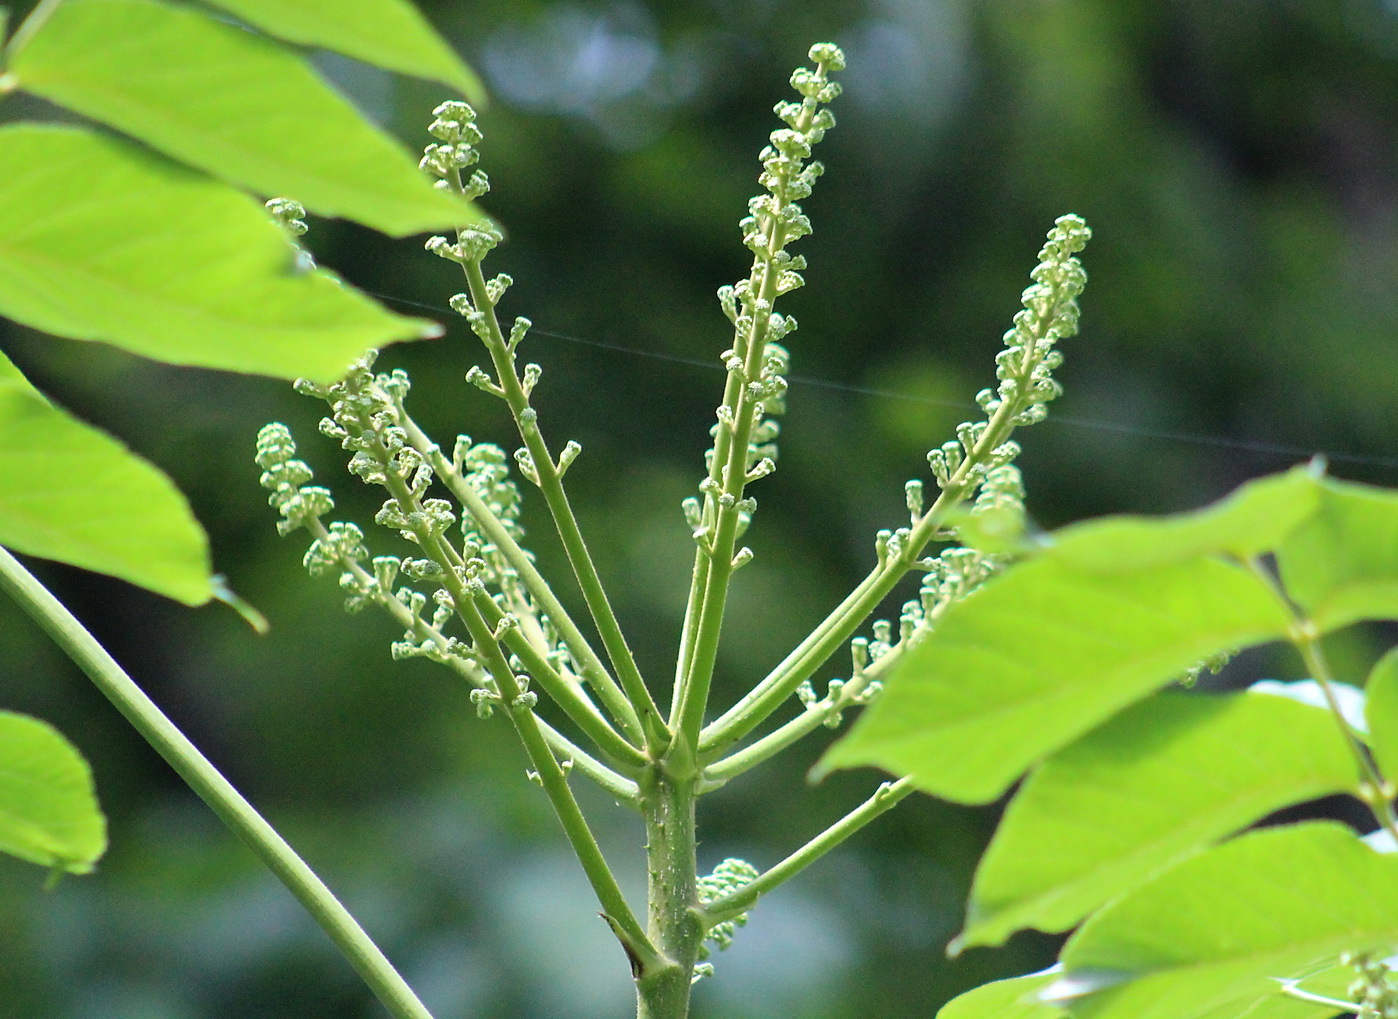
[738, 902]
[519, 706]
[593, 668]
[755, 707]
[550, 482]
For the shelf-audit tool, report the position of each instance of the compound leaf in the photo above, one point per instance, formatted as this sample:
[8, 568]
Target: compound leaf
[1341, 564]
[1250, 521]
[1381, 712]
[1217, 931]
[1016, 998]
[1042, 654]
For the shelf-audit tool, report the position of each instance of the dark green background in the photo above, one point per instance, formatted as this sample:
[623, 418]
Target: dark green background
[1237, 163]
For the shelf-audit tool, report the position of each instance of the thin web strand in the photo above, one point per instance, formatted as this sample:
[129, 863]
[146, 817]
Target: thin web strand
[1191, 438]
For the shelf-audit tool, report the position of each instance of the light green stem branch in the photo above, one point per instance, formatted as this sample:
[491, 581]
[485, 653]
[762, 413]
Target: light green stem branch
[622, 788]
[549, 772]
[593, 669]
[827, 638]
[550, 481]
[738, 902]
[1305, 638]
[564, 693]
[815, 716]
[212, 788]
[714, 562]
[850, 614]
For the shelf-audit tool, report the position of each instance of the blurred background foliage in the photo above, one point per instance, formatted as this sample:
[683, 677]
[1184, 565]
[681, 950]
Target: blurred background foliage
[1237, 164]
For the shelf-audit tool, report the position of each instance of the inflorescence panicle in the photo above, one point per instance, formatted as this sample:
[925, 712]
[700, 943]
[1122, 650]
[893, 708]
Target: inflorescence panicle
[757, 362]
[974, 466]
[1374, 990]
[466, 573]
[366, 418]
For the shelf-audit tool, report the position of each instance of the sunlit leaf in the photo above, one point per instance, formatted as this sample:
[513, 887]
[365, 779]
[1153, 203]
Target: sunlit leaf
[1219, 929]
[1341, 565]
[1016, 998]
[73, 493]
[387, 33]
[1381, 712]
[1158, 782]
[168, 263]
[230, 102]
[1041, 655]
[48, 807]
[1250, 521]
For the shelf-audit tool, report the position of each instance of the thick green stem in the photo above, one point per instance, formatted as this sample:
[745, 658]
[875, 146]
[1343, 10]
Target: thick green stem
[673, 924]
[212, 788]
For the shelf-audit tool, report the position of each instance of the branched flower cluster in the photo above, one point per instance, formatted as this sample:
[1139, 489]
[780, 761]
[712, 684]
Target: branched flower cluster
[467, 570]
[367, 419]
[729, 876]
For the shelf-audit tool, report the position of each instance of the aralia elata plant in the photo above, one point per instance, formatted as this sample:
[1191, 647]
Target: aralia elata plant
[1054, 659]
[469, 595]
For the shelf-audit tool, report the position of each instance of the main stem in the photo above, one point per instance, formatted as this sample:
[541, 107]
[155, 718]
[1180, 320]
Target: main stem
[673, 925]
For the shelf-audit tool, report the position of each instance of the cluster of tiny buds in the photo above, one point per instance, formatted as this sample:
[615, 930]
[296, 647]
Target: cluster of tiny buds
[1373, 990]
[774, 220]
[290, 214]
[950, 577]
[286, 477]
[1025, 366]
[1050, 313]
[455, 127]
[458, 138]
[729, 876]
[1213, 665]
[840, 694]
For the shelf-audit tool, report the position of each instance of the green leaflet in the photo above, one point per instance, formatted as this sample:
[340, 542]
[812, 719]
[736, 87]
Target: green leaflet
[1212, 933]
[1151, 786]
[1381, 712]
[230, 102]
[1041, 655]
[48, 808]
[73, 493]
[1015, 998]
[1250, 521]
[387, 33]
[167, 263]
[1341, 565]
